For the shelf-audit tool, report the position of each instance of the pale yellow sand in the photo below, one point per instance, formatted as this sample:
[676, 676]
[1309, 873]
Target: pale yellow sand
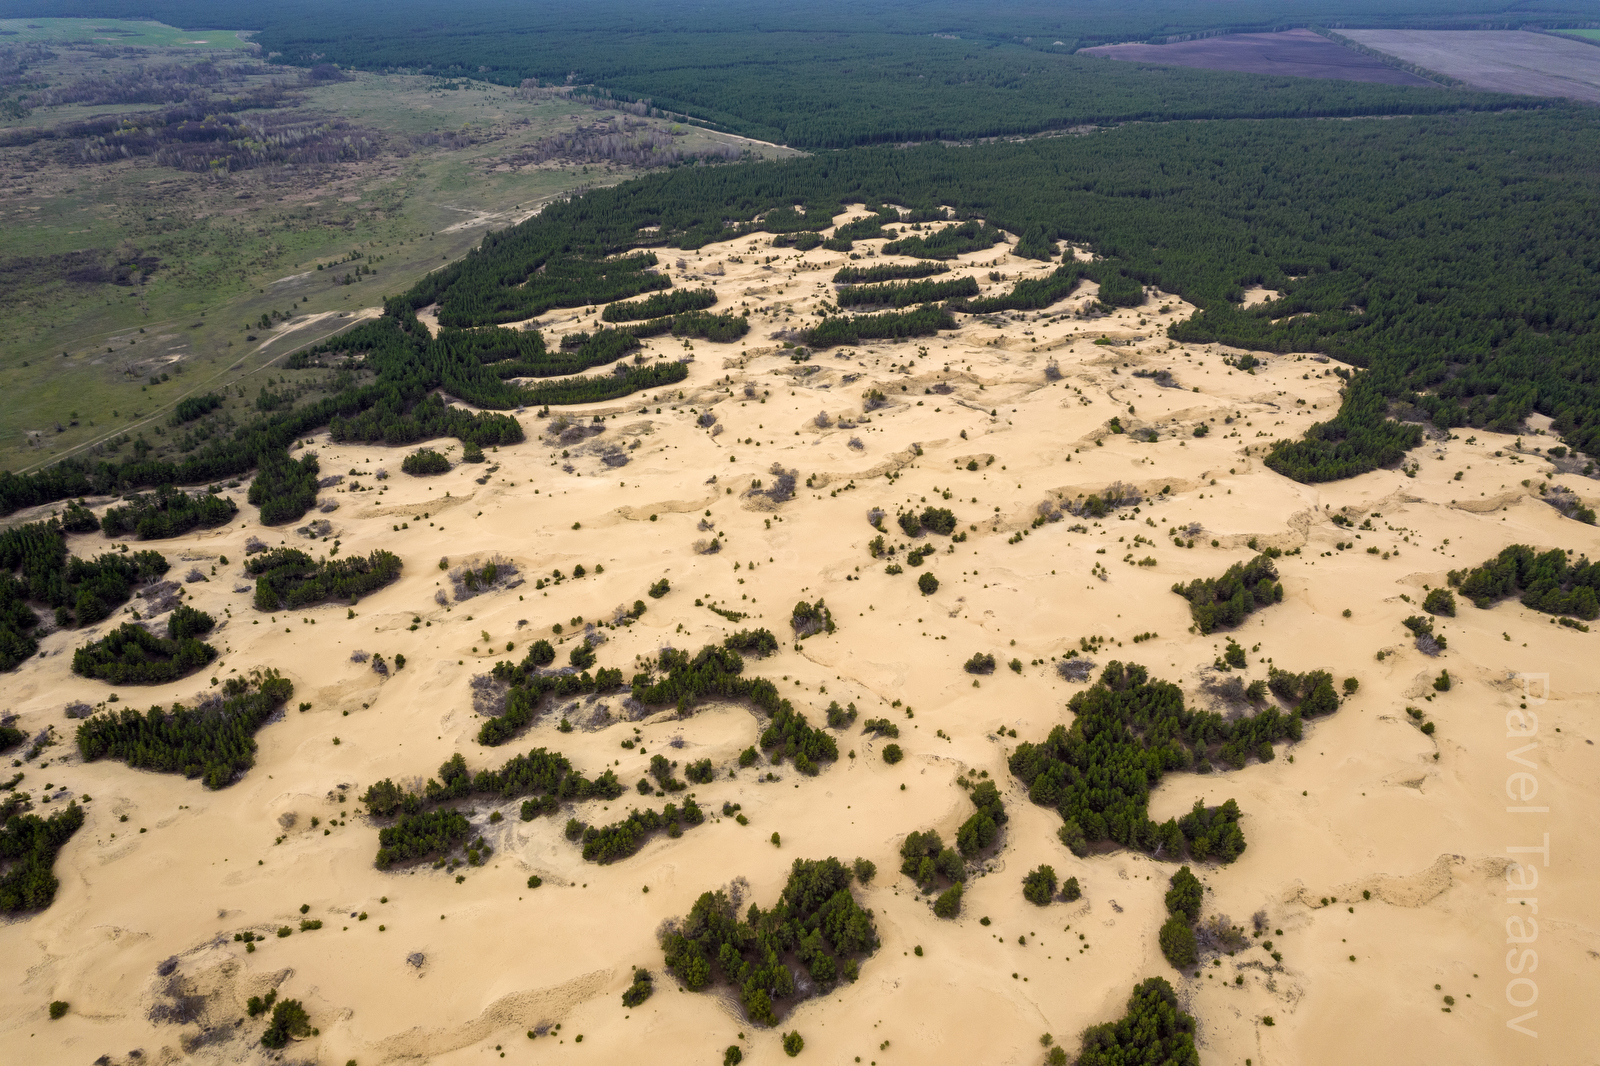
[1364, 805]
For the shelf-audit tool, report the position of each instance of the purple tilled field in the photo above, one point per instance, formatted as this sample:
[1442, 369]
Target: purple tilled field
[1295, 53]
[1507, 61]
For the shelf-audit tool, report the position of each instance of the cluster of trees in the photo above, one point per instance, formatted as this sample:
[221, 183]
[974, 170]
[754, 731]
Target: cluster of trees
[926, 860]
[940, 520]
[949, 242]
[1127, 732]
[924, 321]
[816, 922]
[660, 305]
[288, 578]
[1029, 294]
[192, 407]
[1155, 1029]
[1547, 581]
[421, 836]
[1177, 938]
[757, 642]
[712, 673]
[132, 655]
[424, 462]
[1223, 602]
[1311, 694]
[608, 843]
[35, 567]
[529, 687]
[863, 229]
[167, 512]
[427, 826]
[289, 1019]
[571, 280]
[904, 294]
[790, 736]
[540, 773]
[808, 618]
[28, 846]
[719, 329]
[888, 272]
[1039, 887]
[284, 489]
[214, 741]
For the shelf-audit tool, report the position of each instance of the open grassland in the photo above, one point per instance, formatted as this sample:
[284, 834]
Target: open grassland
[119, 271]
[1507, 61]
[116, 33]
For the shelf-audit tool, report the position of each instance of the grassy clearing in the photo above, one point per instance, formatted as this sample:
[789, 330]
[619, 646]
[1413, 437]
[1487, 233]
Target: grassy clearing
[234, 247]
[117, 33]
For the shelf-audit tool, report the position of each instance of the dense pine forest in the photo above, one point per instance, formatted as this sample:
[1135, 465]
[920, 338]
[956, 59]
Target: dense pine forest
[1456, 282]
[798, 74]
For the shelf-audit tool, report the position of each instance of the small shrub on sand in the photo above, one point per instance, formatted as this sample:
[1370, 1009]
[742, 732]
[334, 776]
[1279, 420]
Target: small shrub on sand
[1039, 886]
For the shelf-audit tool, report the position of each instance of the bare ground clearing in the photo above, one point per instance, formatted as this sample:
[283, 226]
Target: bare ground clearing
[1505, 61]
[1296, 53]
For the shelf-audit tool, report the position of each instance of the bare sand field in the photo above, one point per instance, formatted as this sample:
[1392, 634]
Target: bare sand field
[1295, 53]
[1377, 853]
[1508, 61]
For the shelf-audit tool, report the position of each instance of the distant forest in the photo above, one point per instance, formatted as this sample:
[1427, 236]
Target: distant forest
[797, 73]
[1459, 282]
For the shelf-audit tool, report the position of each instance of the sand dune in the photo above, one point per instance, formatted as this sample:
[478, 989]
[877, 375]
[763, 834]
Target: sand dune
[446, 972]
